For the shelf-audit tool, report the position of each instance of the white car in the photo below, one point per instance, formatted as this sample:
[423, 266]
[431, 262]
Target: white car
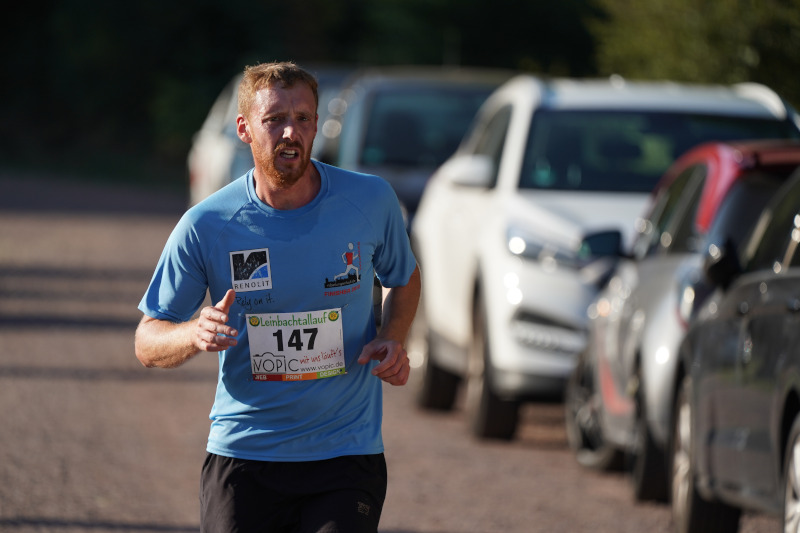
[551, 177]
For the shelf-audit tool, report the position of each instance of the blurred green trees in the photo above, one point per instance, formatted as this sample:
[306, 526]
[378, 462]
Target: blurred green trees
[711, 41]
[93, 83]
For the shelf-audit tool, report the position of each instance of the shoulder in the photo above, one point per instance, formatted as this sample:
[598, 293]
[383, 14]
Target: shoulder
[357, 184]
[217, 210]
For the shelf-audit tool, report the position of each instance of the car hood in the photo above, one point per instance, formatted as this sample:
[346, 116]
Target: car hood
[566, 216]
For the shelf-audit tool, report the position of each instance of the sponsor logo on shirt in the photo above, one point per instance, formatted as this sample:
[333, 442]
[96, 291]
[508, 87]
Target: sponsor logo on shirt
[342, 283]
[250, 270]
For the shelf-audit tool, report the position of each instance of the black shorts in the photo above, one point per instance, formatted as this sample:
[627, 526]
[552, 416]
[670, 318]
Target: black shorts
[344, 494]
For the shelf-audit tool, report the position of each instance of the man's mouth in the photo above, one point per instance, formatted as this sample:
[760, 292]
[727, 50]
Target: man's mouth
[289, 153]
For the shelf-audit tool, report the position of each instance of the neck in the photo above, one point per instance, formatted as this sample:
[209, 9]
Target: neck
[294, 196]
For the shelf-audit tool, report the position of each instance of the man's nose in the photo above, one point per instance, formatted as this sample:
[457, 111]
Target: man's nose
[289, 130]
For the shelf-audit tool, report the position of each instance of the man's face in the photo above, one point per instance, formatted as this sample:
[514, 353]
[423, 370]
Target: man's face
[280, 129]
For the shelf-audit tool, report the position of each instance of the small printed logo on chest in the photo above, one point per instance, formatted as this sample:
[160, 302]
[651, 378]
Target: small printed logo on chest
[250, 270]
[350, 268]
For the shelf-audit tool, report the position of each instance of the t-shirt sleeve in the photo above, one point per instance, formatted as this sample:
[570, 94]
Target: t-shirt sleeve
[179, 284]
[394, 261]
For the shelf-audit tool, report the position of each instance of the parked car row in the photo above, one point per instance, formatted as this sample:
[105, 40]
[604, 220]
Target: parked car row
[622, 392]
[692, 370]
[736, 437]
[518, 231]
[628, 247]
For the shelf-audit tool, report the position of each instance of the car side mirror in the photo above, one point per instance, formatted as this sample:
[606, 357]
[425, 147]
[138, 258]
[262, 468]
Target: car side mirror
[470, 171]
[721, 264]
[602, 250]
[603, 244]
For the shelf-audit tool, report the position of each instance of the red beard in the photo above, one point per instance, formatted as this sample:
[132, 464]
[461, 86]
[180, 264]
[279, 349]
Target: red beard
[283, 175]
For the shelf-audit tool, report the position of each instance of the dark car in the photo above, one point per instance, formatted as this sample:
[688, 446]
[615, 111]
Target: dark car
[621, 395]
[401, 123]
[736, 442]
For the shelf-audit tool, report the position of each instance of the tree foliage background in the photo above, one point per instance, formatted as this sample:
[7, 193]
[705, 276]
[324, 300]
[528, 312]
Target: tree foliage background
[118, 88]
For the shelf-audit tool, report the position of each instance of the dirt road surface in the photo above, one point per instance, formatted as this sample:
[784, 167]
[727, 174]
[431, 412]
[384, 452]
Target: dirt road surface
[91, 441]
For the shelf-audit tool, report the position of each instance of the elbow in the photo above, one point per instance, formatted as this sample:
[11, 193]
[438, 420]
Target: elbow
[141, 350]
[143, 357]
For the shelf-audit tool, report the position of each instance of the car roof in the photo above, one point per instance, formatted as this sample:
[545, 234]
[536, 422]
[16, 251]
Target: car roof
[744, 99]
[730, 161]
[395, 76]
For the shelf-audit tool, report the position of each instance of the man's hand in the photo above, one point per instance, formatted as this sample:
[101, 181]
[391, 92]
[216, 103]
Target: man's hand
[212, 334]
[165, 344]
[394, 367]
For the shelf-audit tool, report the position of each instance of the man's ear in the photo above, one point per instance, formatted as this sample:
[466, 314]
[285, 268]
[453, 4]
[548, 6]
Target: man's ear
[243, 130]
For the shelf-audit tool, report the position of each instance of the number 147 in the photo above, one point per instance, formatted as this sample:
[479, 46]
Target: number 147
[296, 339]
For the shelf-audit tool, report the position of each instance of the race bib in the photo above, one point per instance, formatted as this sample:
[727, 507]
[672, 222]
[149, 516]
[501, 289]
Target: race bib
[296, 346]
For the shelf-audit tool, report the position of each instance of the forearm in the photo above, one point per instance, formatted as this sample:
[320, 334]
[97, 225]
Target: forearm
[399, 308]
[168, 344]
[164, 344]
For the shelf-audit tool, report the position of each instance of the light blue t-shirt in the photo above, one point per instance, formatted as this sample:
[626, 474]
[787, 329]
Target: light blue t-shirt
[300, 263]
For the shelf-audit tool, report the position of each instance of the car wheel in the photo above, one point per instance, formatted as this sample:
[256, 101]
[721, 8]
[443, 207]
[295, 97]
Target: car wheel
[582, 420]
[791, 480]
[649, 472]
[437, 387]
[690, 512]
[489, 415]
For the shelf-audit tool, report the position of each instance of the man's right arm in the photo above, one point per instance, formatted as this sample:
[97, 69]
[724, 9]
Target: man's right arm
[165, 344]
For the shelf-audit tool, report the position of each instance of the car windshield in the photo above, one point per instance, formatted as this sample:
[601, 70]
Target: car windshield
[419, 127]
[624, 151]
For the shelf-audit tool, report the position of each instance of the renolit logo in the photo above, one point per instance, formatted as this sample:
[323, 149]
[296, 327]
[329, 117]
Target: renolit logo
[250, 270]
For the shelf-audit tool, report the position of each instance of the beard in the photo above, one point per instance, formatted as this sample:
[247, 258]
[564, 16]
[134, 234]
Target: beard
[280, 173]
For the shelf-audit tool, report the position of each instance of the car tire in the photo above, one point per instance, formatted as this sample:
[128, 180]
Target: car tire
[437, 388]
[791, 479]
[690, 512]
[649, 472]
[582, 421]
[490, 416]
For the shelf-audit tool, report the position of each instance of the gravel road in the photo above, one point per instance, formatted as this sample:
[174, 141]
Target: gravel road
[91, 441]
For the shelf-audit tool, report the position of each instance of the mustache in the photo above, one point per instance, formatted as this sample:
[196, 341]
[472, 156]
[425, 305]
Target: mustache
[289, 146]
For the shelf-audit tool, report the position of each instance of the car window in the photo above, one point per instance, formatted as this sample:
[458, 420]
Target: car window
[670, 203]
[681, 234]
[621, 151]
[491, 139]
[419, 126]
[741, 207]
[777, 229]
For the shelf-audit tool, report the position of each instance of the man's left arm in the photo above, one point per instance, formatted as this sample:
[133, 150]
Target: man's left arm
[399, 308]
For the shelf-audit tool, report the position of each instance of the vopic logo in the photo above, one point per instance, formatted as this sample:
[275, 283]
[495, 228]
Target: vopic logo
[250, 270]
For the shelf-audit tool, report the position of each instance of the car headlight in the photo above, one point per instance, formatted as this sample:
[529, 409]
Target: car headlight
[549, 254]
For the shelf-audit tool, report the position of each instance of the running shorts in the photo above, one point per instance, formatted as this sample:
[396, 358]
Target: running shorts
[340, 495]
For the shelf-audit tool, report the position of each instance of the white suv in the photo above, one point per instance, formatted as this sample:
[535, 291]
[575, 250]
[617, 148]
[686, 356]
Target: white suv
[551, 177]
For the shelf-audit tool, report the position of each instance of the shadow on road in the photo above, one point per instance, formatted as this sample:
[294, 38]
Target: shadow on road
[9, 524]
[28, 193]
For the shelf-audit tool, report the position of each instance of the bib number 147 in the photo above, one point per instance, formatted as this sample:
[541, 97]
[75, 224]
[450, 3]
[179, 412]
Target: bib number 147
[299, 339]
